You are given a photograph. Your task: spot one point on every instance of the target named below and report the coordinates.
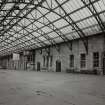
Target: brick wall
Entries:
(95, 44)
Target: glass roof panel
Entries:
(60, 23)
(26, 26)
(100, 6)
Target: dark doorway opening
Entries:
(104, 65)
(38, 66)
(58, 66)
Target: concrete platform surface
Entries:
(44, 88)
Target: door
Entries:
(58, 66)
(25, 65)
(38, 66)
(104, 66)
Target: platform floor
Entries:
(45, 88)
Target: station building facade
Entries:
(61, 58)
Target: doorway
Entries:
(38, 66)
(58, 66)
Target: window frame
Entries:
(83, 60)
(95, 59)
(71, 60)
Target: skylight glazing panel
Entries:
(36, 34)
(28, 43)
(60, 23)
(47, 42)
(23, 39)
(84, 13)
(75, 35)
(31, 28)
(92, 30)
(22, 31)
(17, 27)
(72, 5)
(53, 35)
(88, 30)
(8, 6)
(79, 15)
(42, 38)
(58, 39)
(38, 14)
(99, 6)
(42, 11)
(46, 29)
(52, 16)
(51, 3)
(34, 46)
(7, 41)
(88, 22)
(103, 17)
(28, 37)
(12, 38)
(38, 24)
(32, 40)
(69, 36)
(67, 29)
(38, 44)
(42, 21)
(33, 15)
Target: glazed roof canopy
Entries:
(31, 24)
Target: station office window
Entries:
(83, 60)
(71, 60)
(95, 59)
